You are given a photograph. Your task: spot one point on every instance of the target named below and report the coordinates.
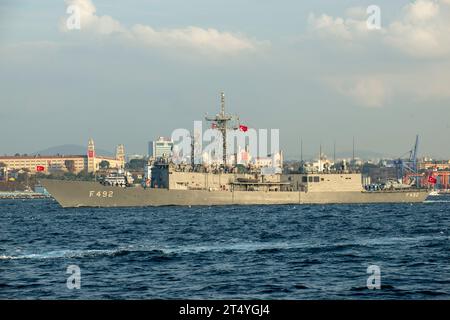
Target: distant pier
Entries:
(22, 195)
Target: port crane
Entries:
(408, 167)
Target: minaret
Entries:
(91, 156)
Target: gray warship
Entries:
(171, 184)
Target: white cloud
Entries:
(202, 40)
(366, 91)
(359, 13)
(340, 28)
(421, 10)
(90, 22)
(378, 89)
(192, 37)
(369, 92)
(421, 31)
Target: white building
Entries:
(274, 161)
(160, 148)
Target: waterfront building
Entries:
(160, 148)
(64, 163)
(428, 164)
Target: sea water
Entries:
(225, 252)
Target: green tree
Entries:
(136, 164)
(104, 164)
(24, 175)
(70, 165)
(85, 176)
(3, 174)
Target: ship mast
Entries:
(221, 121)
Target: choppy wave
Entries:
(253, 252)
(63, 254)
(3, 257)
(262, 247)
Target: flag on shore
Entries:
(40, 168)
(432, 180)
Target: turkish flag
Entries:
(40, 168)
(432, 180)
(243, 128)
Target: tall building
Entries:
(160, 148)
(91, 156)
(93, 160)
(120, 153)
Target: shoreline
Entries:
(22, 195)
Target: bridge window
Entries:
(316, 179)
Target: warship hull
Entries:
(93, 194)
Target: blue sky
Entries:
(139, 69)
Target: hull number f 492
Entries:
(101, 194)
(412, 194)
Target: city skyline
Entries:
(327, 152)
(313, 70)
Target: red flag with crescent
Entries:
(243, 128)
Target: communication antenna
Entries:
(301, 156)
(320, 156)
(334, 151)
(192, 152)
(301, 150)
(353, 152)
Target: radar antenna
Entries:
(220, 122)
